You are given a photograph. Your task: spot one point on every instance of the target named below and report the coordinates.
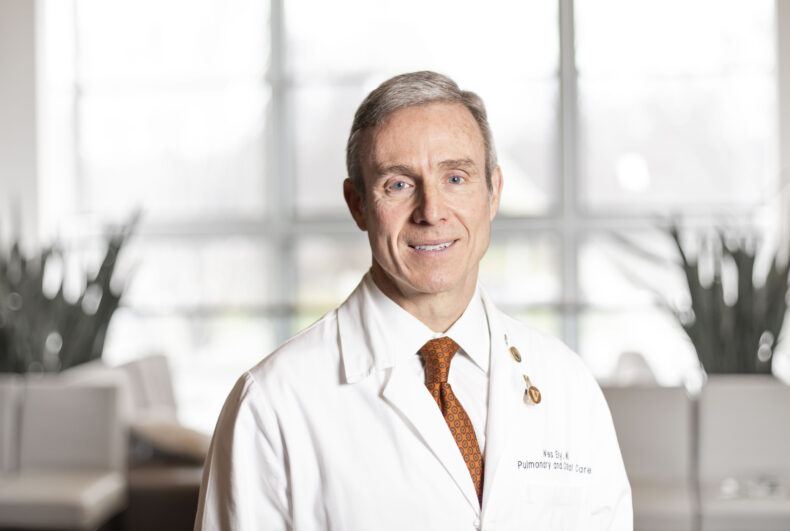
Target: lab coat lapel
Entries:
(509, 416)
(419, 411)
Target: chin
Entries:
(435, 284)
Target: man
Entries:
(417, 405)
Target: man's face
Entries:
(428, 210)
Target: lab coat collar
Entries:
(375, 332)
(471, 332)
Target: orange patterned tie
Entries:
(437, 355)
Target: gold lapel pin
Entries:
(516, 354)
(513, 351)
(532, 393)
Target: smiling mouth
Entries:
(433, 247)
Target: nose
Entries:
(431, 207)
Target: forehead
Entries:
(429, 133)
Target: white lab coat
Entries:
(328, 434)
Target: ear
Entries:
(496, 192)
(354, 202)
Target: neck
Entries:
(437, 311)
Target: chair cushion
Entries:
(167, 441)
(165, 479)
(61, 500)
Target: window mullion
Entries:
(80, 181)
(569, 176)
(280, 185)
(783, 76)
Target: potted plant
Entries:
(42, 332)
(738, 337)
(730, 336)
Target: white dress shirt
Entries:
(469, 368)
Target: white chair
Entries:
(744, 440)
(655, 430)
(151, 386)
(71, 458)
(167, 464)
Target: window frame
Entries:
(282, 226)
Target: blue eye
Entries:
(455, 179)
(398, 186)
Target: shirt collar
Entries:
(409, 334)
(471, 332)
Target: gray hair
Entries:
(407, 90)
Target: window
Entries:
(226, 123)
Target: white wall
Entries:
(18, 159)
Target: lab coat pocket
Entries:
(555, 507)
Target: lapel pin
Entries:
(516, 354)
(513, 351)
(531, 393)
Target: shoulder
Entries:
(279, 380)
(312, 354)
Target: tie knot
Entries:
(437, 354)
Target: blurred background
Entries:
(224, 123)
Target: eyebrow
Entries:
(405, 169)
(395, 169)
(457, 163)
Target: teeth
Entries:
(437, 247)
